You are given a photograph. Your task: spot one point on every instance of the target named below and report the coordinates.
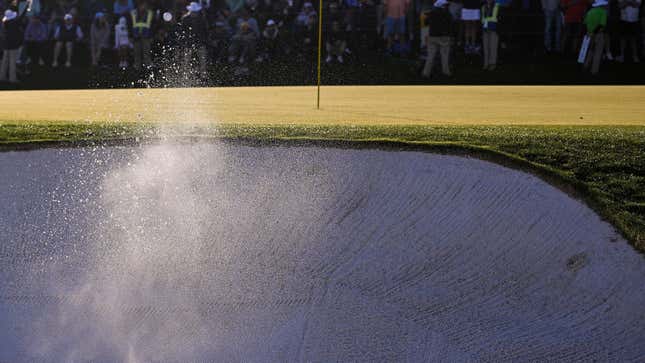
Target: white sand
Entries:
(231, 253)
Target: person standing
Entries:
(336, 42)
(122, 41)
(552, 25)
(142, 18)
(271, 40)
(35, 38)
(455, 7)
(243, 45)
(629, 18)
(612, 30)
(574, 11)
(14, 35)
(440, 28)
(246, 17)
(66, 34)
(395, 21)
(99, 37)
(305, 26)
(490, 38)
(595, 22)
(642, 14)
(471, 16)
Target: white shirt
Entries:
(121, 38)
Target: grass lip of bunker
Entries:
(602, 165)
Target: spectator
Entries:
(14, 35)
(195, 29)
(26, 8)
(440, 24)
(336, 43)
(285, 14)
(35, 40)
(122, 7)
(629, 11)
(574, 10)
(344, 20)
(306, 25)
(244, 44)
(455, 7)
(68, 33)
(292, 26)
(471, 16)
(220, 38)
(642, 14)
(552, 25)
(141, 34)
(612, 30)
(490, 39)
(352, 12)
(246, 17)
(595, 21)
(271, 40)
(423, 27)
(395, 21)
(122, 41)
(305, 13)
(99, 37)
(333, 14)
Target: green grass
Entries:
(604, 166)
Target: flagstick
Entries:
(319, 50)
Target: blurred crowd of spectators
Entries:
(140, 34)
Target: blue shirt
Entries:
(36, 32)
(121, 9)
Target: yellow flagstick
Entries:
(320, 8)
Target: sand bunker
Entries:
(237, 253)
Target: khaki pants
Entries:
(96, 50)
(441, 44)
(9, 58)
(594, 53)
(491, 44)
(142, 53)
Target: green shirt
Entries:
(596, 18)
